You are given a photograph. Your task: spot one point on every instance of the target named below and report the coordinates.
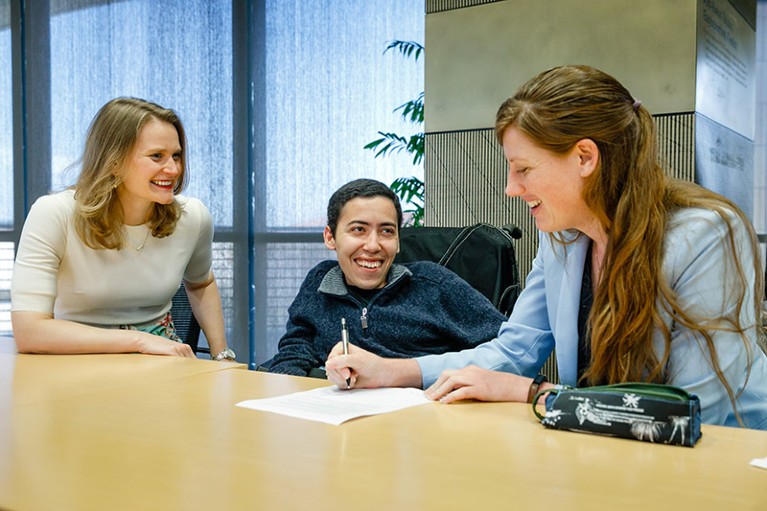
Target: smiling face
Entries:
(551, 184)
(366, 241)
(150, 171)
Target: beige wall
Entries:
(478, 56)
(760, 132)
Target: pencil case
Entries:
(641, 411)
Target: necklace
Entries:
(140, 247)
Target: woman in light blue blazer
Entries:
(637, 277)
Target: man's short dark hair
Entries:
(365, 188)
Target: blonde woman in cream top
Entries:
(98, 264)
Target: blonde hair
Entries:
(111, 137)
(633, 200)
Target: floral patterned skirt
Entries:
(163, 327)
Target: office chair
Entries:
(482, 254)
(183, 319)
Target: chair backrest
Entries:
(481, 254)
(183, 319)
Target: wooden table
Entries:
(173, 439)
(28, 379)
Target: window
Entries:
(6, 167)
(330, 90)
(177, 53)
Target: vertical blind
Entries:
(6, 119)
(330, 90)
(175, 53)
(6, 166)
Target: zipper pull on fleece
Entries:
(364, 319)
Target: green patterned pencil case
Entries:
(641, 411)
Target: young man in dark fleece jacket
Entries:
(402, 310)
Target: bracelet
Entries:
(535, 385)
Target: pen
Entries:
(345, 343)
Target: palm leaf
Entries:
(410, 190)
(390, 143)
(406, 48)
(412, 110)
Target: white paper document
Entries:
(334, 406)
(759, 462)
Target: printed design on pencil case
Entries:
(594, 411)
(588, 412)
(649, 431)
(631, 401)
(680, 424)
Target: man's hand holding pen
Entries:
(341, 358)
(364, 370)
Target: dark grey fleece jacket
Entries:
(424, 309)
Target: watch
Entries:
(535, 385)
(225, 354)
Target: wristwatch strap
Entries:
(226, 353)
(535, 385)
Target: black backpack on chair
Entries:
(482, 254)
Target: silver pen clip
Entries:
(345, 344)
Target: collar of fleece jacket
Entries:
(333, 282)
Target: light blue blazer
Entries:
(699, 267)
